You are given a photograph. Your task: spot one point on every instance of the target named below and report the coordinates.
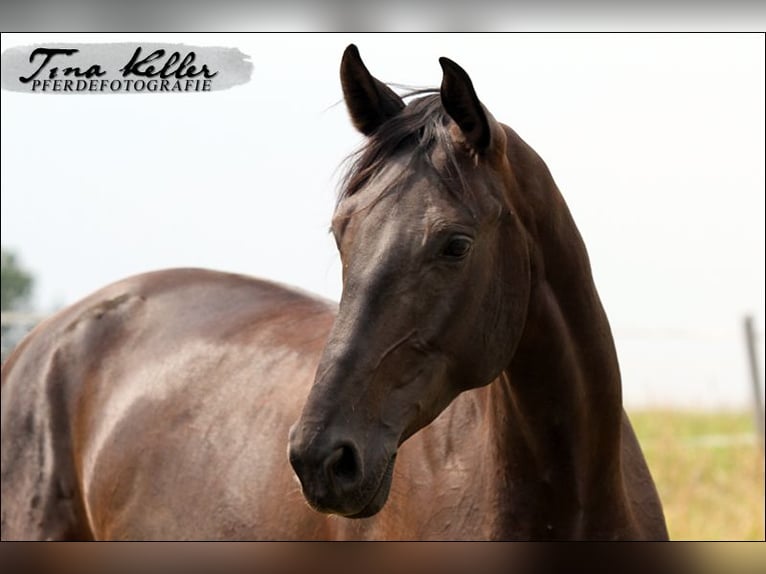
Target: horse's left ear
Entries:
(463, 105)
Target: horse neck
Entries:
(561, 396)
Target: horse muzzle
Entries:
(334, 476)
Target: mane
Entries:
(415, 132)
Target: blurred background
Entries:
(655, 140)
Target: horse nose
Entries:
(327, 472)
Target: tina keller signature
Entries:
(155, 65)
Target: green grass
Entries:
(710, 490)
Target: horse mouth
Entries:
(379, 493)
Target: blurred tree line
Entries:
(16, 288)
(16, 282)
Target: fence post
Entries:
(755, 377)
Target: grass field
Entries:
(709, 470)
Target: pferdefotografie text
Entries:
(157, 71)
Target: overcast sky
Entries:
(656, 142)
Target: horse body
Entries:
(466, 387)
(183, 436)
(171, 393)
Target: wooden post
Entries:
(755, 377)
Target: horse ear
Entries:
(463, 105)
(369, 101)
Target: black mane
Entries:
(417, 130)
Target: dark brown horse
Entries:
(467, 386)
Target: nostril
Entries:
(342, 465)
(346, 467)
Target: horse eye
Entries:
(457, 247)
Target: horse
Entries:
(466, 386)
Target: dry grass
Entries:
(709, 471)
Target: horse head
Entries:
(436, 282)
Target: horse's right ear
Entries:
(369, 101)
